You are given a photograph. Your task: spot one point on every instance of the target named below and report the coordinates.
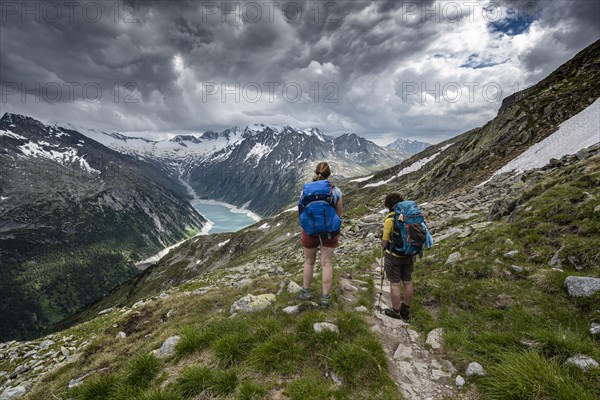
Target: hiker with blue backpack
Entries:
(320, 211)
(405, 235)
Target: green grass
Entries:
(310, 386)
(195, 380)
(530, 376)
(282, 353)
(361, 362)
(232, 348)
(142, 369)
(251, 390)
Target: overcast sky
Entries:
(384, 69)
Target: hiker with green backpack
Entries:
(404, 236)
(320, 211)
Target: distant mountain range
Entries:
(258, 166)
(408, 146)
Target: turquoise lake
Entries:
(224, 219)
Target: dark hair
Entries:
(322, 171)
(392, 199)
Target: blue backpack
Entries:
(316, 210)
(410, 224)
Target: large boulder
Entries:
(252, 303)
(168, 347)
(582, 286)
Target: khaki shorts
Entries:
(398, 268)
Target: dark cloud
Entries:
(366, 48)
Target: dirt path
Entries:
(418, 372)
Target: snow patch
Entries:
(366, 178)
(264, 226)
(67, 157)
(258, 151)
(576, 133)
(12, 135)
(224, 243)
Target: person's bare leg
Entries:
(395, 295)
(310, 256)
(327, 265)
(408, 293)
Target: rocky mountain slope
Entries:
(497, 307)
(74, 216)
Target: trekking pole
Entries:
(378, 307)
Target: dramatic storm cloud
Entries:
(422, 69)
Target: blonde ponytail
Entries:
(322, 172)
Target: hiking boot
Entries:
(325, 301)
(404, 311)
(305, 294)
(390, 312)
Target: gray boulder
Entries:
(582, 286)
(13, 393)
(168, 347)
(325, 326)
(453, 258)
(293, 288)
(585, 363)
(459, 381)
(595, 329)
(475, 369)
(252, 303)
(511, 254)
(434, 338)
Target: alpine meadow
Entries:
(318, 200)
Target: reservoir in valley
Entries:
(224, 217)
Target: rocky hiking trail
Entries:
(419, 373)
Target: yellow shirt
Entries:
(388, 228)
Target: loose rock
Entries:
(585, 363)
(293, 288)
(325, 326)
(475, 369)
(434, 338)
(13, 393)
(595, 329)
(292, 309)
(582, 286)
(459, 381)
(511, 254)
(453, 258)
(168, 347)
(252, 303)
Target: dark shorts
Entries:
(398, 268)
(312, 242)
